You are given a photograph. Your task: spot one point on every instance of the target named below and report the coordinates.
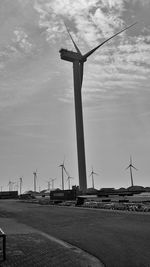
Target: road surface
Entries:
(118, 239)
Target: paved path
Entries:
(29, 247)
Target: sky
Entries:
(37, 116)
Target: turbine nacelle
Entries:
(71, 55)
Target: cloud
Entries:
(21, 40)
(25, 68)
(91, 19)
(34, 26)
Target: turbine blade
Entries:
(63, 161)
(94, 49)
(66, 171)
(134, 168)
(127, 167)
(77, 49)
(130, 160)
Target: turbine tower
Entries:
(78, 61)
(131, 166)
(35, 179)
(92, 174)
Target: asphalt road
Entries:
(118, 239)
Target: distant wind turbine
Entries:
(69, 180)
(16, 186)
(62, 173)
(92, 175)
(53, 182)
(78, 61)
(131, 166)
(48, 185)
(10, 185)
(35, 179)
(21, 182)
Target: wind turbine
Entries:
(78, 61)
(69, 183)
(62, 172)
(21, 182)
(53, 182)
(48, 185)
(35, 179)
(92, 174)
(131, 166)
(68, 179)
(10, 184)
(16, 186)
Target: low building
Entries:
(8, 194)
(58, 196)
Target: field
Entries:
(118, 239)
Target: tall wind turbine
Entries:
(62, 173)
(131, 166)
(92, 174)
(78, 61)
(35, 179)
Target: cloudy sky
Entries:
(37, 120)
